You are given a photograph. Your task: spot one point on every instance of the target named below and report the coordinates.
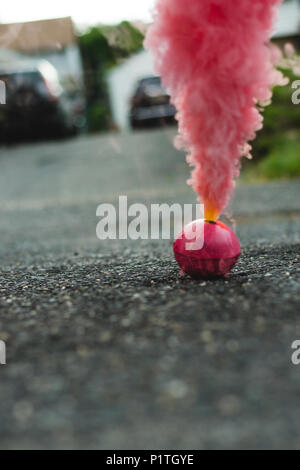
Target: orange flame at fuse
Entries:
(210, 212)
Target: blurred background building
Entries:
(54, 40)
(109, 60)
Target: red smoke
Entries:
(218, 65)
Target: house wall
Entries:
(289, 20)
(7, 56)
(67, 62)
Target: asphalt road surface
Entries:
(107, 346)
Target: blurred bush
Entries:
(276, 149)
(97, 117)
(283, 161)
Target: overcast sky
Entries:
(83, 12)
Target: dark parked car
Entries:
(151, 104)
(36, 104)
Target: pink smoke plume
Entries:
(217, 63)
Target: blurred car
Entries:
(151, 104)
(36, 103)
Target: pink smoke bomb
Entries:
(215, 257)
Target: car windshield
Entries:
(17, 79)
(152, 87)
(151, 81)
